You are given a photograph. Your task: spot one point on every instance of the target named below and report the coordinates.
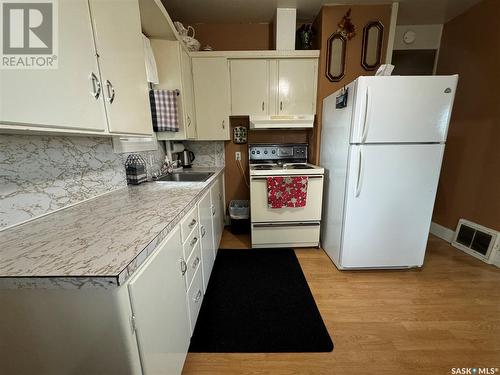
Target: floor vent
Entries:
(476, 240)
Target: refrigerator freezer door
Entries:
(389, 201)
(399, 109)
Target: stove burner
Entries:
(262, 167)
(299, 166)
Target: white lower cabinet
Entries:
(207, 237)
(160, 314)
(217, 196)
(142, 327)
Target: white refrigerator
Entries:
(382, 145)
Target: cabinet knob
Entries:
(203, 231)
(262, 106)
(193, 241)
(281, 106)
(192, 223)
(183, 267)
(223, 124)
(189, 121)
(198, 296)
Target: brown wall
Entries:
(235, 184)
(326, 23)
(235, 36)
(470, 177)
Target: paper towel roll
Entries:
(177, 147)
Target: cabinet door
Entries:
(58, 99)
(249, 87)
(216, 193)
(188, 95)
(207, 237)
(297, 86)
(158, 299)
(211, 97)
(117, 27)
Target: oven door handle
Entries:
(265, 177)
(277, 225)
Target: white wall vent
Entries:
(476, 240)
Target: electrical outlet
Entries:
(237, 155)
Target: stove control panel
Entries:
(262, 153)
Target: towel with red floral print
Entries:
(287, 191)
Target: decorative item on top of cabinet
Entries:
(304, 37)
(335, 57)
(373, 34)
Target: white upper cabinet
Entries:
(188, 95)
(58, 99)
(117, 27)
(249, 87)
(211, 97)
(285, 86)
(174, 73)
(297, 86)
(99, 86)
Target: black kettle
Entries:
(186, 157)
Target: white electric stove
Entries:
(284, 227)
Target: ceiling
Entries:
(255, 11)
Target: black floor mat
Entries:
(258, 301)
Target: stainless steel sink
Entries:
(186, 177)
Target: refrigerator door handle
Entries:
(359, 180)
(366, 123)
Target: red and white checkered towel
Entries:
(164, 110)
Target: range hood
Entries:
(282, 122)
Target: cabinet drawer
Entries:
(191, 242)
(195, 297)
(300, 234)
(188, 223)
(193, 264)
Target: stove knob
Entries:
(258, 152)
(274, 151)
(265, 152)
(253, 152)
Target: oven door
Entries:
(261, 213)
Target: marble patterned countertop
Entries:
(99, 242)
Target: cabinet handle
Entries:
(111, 91)
(192, 223)
(198, 296)
(183, 267)
(223, 124)
(213, 210)
(189, 121)
(196, 261)
(262, 106)
(193, 241)
(96, 86)
(203, 231)
(281, 106)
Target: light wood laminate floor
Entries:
(424, 321)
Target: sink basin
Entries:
(186, 177)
